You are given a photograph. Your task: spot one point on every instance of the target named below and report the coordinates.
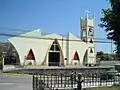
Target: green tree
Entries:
(111, 23)
(103, 56)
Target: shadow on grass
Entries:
(105, 88)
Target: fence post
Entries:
(114, 77)
(79, 82)
(36, 78)
(61, 79)
(72, 79)
(41, 85)
(100, 79)
(107, 78)
(33, 82)
(65, 80)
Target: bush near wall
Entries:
(107, 76)
(30, 63)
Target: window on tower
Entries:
(91, 31)
(84, 33)
(91, 41)
(91, 50)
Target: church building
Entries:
(36, 48)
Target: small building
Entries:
(36, 48)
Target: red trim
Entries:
(76, 57)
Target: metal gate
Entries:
(52, 82)
(71, 81)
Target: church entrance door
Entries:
(54, 55)
(54, 58)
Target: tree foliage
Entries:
(111, 22)
(103, 56)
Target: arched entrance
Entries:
(12, 56)
(85, 58)
(55, 56)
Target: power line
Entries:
(27, 30)
(13, 29)
(23, 36)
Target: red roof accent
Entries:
(30, 55)
(76, 57)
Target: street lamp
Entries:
(3, 57)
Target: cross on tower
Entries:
(87, 12)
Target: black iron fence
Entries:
(74, 80)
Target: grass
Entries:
(21, 75)
(14, 74)
(105, 88)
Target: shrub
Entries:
(30, 63)
(107, 76)
(117, 85)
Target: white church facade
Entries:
(55, 50)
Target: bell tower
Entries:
(87, 35)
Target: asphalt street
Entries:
(15, 83)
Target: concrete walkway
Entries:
(15, 83)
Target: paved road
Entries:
(15, 83)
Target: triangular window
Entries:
(30, 55)
(76, 57)
(54, 46)
(91, 50)
(91, 41)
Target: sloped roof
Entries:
(34, 33)
(38, 34)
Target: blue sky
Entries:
(54, 16)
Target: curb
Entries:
(14, 74)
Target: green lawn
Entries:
(105, 88)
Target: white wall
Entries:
(78, 46)
(39, 46)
